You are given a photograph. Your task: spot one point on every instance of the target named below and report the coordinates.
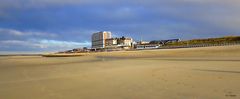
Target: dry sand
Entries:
(194, 73)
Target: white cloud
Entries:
(14, 32)
(62, 44)
(46, 45)
(40, 41)
(14, 43)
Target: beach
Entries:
(187, 73)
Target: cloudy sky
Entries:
(50, 25)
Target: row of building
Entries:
(104, 40)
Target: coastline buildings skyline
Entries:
(103, 41)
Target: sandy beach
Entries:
(187, 73)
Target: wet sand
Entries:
(195, 73)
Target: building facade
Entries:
(111, 43)
(148, 46)
(99, 38)
(164, 41)
(123, 42)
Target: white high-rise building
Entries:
(98, 39)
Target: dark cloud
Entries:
(75, 20)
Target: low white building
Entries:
(148, 46)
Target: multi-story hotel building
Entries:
(98, 39)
